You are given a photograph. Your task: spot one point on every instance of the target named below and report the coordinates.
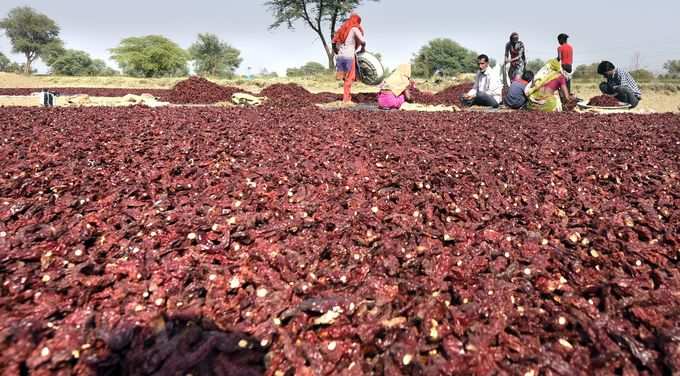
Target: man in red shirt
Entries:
(565, 55)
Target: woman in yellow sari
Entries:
(543, 91)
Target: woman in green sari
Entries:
(543, 91)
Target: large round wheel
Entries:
(371, 71)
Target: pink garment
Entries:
(556, 83)
(388, 101)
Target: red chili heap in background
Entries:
(198, 90)
(288, 95)
(368, 243)
(448, 96)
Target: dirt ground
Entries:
(654, 100)
(314, 84)
(79, 101)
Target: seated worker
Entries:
(487, 90)
(619, 84)
(515, 98)
(394, 91)
(543, 91)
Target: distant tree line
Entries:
(589, 72)
(36, 36)
(310, 69)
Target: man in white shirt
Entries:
(488, 89)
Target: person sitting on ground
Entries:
(619, 84)
(565, 55)
(487, 90)
(345, 42)
(515, 55)
(515, 98)
(543, 91)
(394, 91)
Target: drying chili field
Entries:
(301, 241)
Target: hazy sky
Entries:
(614, 30)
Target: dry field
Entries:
(317, 84)
(655, 99)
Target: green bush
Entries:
(310, 69)
(264, 73)
(535, 65)
(586, 71)
(4, 63)
(444, 56)
(214, 57)
(642, 75)
(669, 77)
(151, 56)
(79, 63)
(672, 67)
(18, 68)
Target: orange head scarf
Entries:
(342, 33)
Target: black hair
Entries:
(483, 57)
(528, 76)
(562, 38)
(605, 67)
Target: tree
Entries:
(672, 67)
(150, 56)
(79, 63)
(31, 33)
(214, 57)
(265, 73)
(4, 63)
(445, 56)
(99, 68)
(642, 75)
(310, 69)
(319, 15)
(19, 68)
(52, 53)
(535, 65)
(586, 71)
(9, 66)
(71, 63)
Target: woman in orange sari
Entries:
(348, 40)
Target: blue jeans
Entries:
(343, 64)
